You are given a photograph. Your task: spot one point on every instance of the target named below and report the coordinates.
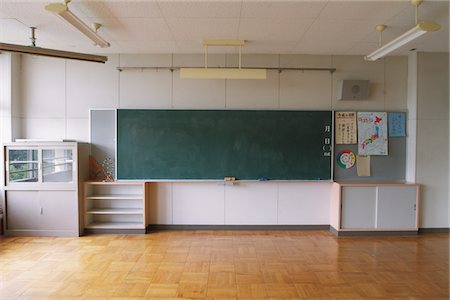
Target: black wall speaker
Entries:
(353, 90)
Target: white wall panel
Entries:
(254, 60)
(91, 85)
(198, 93)
(396, 72)
(251, 203)
(145, 60)
(78, 129)
(433, 97)
(146, 89)
(198, 60)
(198, 203)
(44, 88)
(432, 171)
(305, 90)
(44, 128)
(304, 203)
(161, 209)
(305, 61)
(253, 93)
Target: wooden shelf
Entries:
(116, 225)
(116, 211)
(112, 205)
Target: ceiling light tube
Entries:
(63, 11)
(222, 73)
(418, 30)
(52, 53)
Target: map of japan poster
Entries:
(372, 133)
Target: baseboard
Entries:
(237, 227)
(114, 231)
(434, 230)
(374, 233)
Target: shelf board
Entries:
(115, 225)
(116, 211)
(116, 197)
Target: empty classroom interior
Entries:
(251, 239)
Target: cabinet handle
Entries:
(42, 210)
(414, 207)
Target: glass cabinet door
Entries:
(57, 165)
(23, 165)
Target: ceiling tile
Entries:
(376, 11)
(273, 29)
(23, 9)
(148, 46)
(332, 32)
(200, 9)
(281, 9)
(119, 9)
(198, 29)
(136, 29)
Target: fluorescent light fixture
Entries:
(413, 33)
(63, 11)
(222, 73)
(51, 53)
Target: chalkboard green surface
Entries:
(214, 144)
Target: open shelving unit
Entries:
(115, 206)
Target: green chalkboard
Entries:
(214, 144)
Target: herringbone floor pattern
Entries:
(225, 264)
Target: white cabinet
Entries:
(53, 212)
(42, 188)
(368, 207)
(358, 207)
(397, 207)
(116, 206)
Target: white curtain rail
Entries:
(120, 69)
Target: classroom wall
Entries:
(57, 94)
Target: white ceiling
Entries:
(169, 26)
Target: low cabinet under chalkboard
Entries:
(214, 144)
(371, 207)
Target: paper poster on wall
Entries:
(363, 165)
(372, 133)
(345, 130)
(397, 124)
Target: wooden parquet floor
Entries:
(225, 265)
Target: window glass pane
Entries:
(57, 165)
(23, 165)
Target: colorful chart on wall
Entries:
(372, 133)
(346, 159)
(345, 129)
(397, 124)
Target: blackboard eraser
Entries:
(263, 179)
(229, 179)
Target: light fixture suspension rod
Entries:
(240, 56)
(206, 56)
(33, 36)
(417, 3)
(417, 14)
